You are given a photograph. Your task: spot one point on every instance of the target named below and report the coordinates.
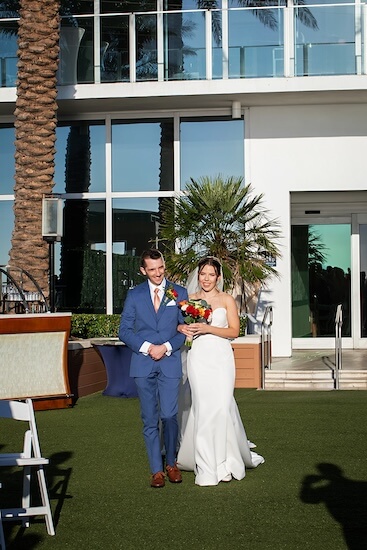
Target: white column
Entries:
(225, 38)
(289, 57)
(132, 47)
(160, 41)
(109, 278)
(208, 45)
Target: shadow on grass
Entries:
(345, 500)
(57, 481)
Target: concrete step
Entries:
(314, 379)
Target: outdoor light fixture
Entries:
(52, 218)
(52, 228)
(236, 109)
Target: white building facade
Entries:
(153, 93)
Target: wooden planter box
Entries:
(247, 354)
(87, 373)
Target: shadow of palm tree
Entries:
(345, 500)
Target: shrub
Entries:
(243, 325)
(91, 325)
(97, 325)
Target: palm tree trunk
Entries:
(35, 125)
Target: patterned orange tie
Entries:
(157, 299)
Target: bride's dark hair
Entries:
(210, 260)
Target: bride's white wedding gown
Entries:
(214, 444)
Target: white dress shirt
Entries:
(146, 345)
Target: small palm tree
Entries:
(220, 217)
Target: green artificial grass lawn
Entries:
(101, 497)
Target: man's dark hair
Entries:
(152, 254)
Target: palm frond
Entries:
(220, 217)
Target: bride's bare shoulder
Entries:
(193, 296)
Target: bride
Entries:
(214, 444)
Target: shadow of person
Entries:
(345, 500)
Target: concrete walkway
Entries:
(321, 360)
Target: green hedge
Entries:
(96, 325)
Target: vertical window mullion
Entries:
(132, 47)
(176, 154)
(209, 45)
(288, 39)
(97, 43)
(358, 35)
(160, 41)
(225, 56)
(109, 218)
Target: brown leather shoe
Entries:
(174, 474)
(157, 480)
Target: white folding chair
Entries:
(30, 459)
(2, 539)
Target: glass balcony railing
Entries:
(324, 39)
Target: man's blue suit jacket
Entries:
(140, 323)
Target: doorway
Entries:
(321, 278)
(328, 268)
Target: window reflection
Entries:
(210, 147)
(142, 155)
(330, 47)
(80, 160)
(82, 284)
(8, 52)
(6, 228)
(256, 46)
(135, 228)
(7, 162)
(115, 64)
(321, 279)
(146, 47)
(185, 38)
(109, 6)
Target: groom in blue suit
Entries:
(149, 327)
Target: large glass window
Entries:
(256, 46)
(76, 7)
(127, 6)
(82, 283)
(6, 228)
(185, 39)
(8, 52)
(210, 147)
(142, 155)
(328, 48)
(80, 160)
(321, 279)
(135, 228)
(115, 65)
(363, 278)
(146, 47)
(7, 162)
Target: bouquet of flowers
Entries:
(195, 311)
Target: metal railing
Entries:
(13, 295)
(338, 343)
(266, 343)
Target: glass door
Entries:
(360, 340)
(321, 279)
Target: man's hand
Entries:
(157, 352)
